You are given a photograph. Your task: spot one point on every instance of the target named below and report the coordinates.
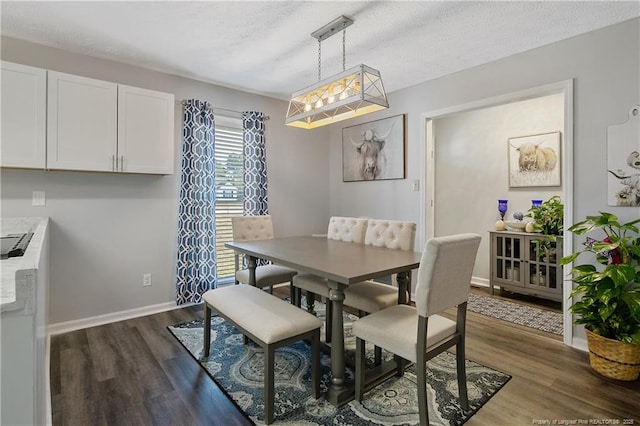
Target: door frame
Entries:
(427, 172)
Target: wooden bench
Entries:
(271, 323)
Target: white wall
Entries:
(471, 169)
(107, 229)
(606, 67)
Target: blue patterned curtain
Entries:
(196, 266)
(255, 164)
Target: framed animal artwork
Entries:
(534, 160)
(374, 150)
(623, 161)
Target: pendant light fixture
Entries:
(351, 93)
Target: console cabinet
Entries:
(526, 263)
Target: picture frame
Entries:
(374, 150)
(535, 160)
(623, 161)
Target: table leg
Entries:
(337, 388)
(404, 284)
(252, 270)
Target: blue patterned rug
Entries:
(238, 370)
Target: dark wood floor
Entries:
(136, 373)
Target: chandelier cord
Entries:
(319, 60)
(344, 48)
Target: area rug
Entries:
(238, 370)
(529, 316)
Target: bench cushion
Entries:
(255, 311)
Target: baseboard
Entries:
(580, 344)
(67, 326)
(479, 282)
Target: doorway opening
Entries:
(466, 166)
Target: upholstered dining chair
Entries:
(367, 296)
(419, 334)
(249, 228)
(347, 229)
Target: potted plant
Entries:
(548, 216)
(548, 220)
(610, 304)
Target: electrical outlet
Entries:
(146, 280)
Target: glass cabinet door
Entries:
(542, 260)
(508, 258)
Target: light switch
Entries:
(37, 198)
(416, 185)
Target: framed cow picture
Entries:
(374, 150)
(534, 160)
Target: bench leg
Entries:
(360, 366)
(269, 388)
(207, 329)
(315, 364)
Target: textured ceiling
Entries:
(265, 47)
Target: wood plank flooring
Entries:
(136, 373)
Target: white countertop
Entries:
(10, 298)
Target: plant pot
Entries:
(613, 358)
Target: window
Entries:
(229, 190)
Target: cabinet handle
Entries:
(122, 163)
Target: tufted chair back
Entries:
(347, 229)
(249, 228)
(393, 234)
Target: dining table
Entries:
(342, 264)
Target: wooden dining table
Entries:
(342, 264)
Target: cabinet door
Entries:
(544, 275)
(507, 258)
(145, 131)
(24, 94)
(82, 123)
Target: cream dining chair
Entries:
(250, 228)
(347, 229)
(419, 334)
(367, 296)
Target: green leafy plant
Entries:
(610, 302)
(548, 217)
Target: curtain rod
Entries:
(184, 102)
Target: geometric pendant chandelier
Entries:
(351, 93)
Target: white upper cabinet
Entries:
(95, 125)
(24, 94)
(145, 131)
(82, 123)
